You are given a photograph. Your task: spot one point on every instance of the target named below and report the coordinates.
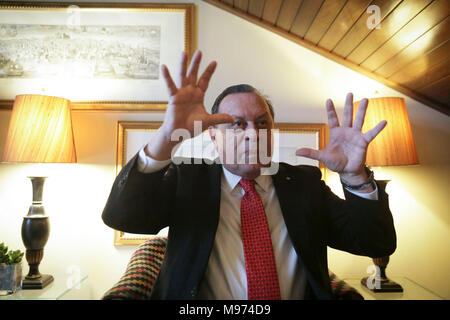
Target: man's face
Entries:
(244, 146)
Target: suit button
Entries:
(193, 292)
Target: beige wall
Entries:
(298, 83)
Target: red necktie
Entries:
(262, 277)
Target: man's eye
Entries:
(262, 122)
(238, 124)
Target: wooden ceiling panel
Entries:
(411, 75)
(359, 30)
(409, 51)
(351, 12)
(417, 27)
(439, 90)
(427, 42)
(323, 20)
(271, 10)
(288, 13)
(256, 8)
(241, 4)
(305, 17)
(389, 26)
(433, 73)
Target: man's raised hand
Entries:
(186, 101)
(347, 147)
(185, 106)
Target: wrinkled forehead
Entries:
(247, 105)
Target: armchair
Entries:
(143, 268)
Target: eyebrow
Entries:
(265, 114)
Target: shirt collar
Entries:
(232, 180)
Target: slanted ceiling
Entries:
(409, 51)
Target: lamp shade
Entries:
(394, 145)
(40, 130)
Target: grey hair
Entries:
(240, 88)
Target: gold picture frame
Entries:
(101, 56)
(133, 135)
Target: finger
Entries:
(359, 119)
(331, 114)
(348, 111)
(193, 68)
(203, 82)
(309, 153)
(183, 67)
(171, 87)
(371, 134)
(218, 118)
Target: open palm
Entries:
(186, 101)
(347, 147)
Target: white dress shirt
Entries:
(225, 276)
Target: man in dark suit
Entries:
(209, 207)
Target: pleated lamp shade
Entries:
(394, 146)
(40, 130)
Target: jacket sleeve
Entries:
(357, 225)
(140, 202)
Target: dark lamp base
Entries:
(384, 285)
(39, 283)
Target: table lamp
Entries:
(394, 146)
(40, 131)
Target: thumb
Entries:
(308, 153)
(219, 118)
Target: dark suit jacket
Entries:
(186, 198)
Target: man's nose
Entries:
(251, 131)
(251, 125)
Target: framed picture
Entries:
(101, 56)
(132, 136)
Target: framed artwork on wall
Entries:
(101, 56)
(133, 135)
